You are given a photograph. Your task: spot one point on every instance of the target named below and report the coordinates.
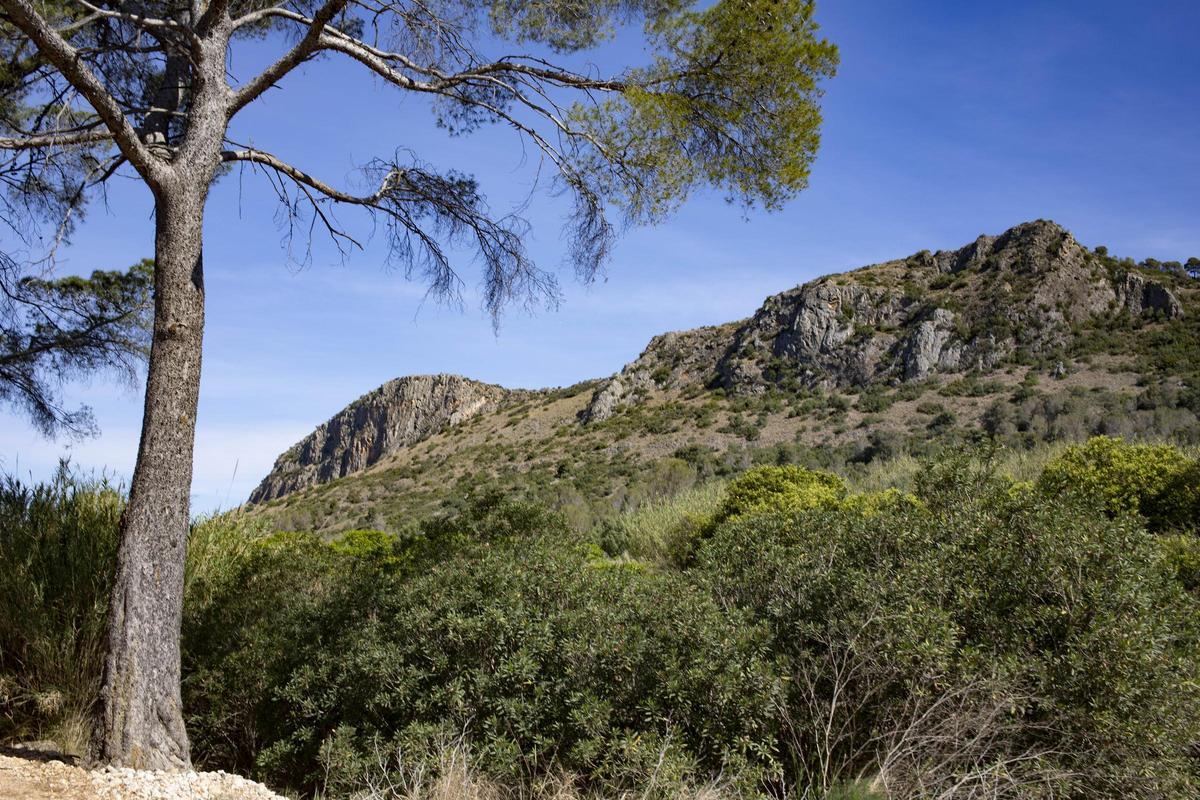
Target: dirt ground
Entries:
(33, 775)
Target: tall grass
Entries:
(57, 550)
(449, 772)
(216, 545)
(58, 543)
(901, 472)
(654, 531)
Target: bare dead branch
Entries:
(334, 38)
(138, 20)
(302, 177)
(299, 53)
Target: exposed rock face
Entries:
(671, 359)
(927, 350)
(813, 333)
(1139, 295)
(400, 413)
(904, 320)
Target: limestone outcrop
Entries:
(970, 309)
(399, 413)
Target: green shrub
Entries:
(874, 402)
(837, 403)
(750, 430)
(248, 628)
(1183, 558)
(538, 655)
(1157, 481)
(252, 629)
(873, 504)
(1177, 506)
(1054, 628)
(779, 488)
(942, 421)
(911, 390)
(757, 490)
(217, 546)
(930, 407)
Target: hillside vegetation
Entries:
(983, 623)
(1023, 339)
(929, 529)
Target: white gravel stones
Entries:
(114, 783)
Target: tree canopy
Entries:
(52, 330)
(729, 99)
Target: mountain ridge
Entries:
(977, 325)
(809, 326)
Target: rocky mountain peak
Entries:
(950, 311)
(1022, 297)
(399, 413)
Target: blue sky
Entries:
(946, 120)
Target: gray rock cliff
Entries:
(399, 413)
(904, 320)
(672, 359)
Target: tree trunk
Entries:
(140, 716)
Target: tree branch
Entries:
(138, 20)
(333, 38)
(56, 139)
(299, 176)
(66, 59)
(289, 60)
(420, 208)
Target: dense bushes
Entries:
(976, 637)
(541, 653)
(984, 637)
(1157, 481)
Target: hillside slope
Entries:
(1026, 337)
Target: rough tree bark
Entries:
(140, 721)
